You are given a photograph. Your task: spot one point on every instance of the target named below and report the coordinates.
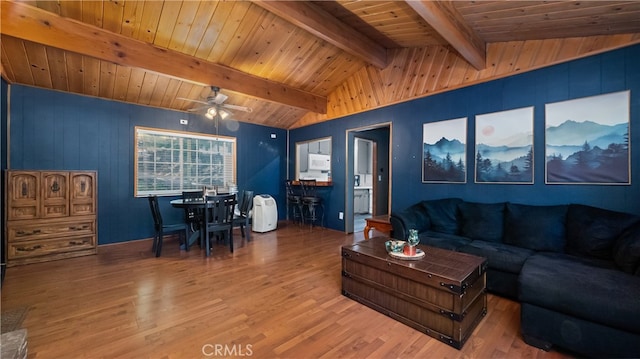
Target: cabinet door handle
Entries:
(28, 249)
(77, 243)
(23, 233)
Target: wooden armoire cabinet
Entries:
(50, 215)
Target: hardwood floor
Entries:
(277, 296)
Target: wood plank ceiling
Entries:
(296, 63)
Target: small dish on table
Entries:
(396, 249)
(400, 255)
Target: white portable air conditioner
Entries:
(265, 214)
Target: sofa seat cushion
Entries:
(443, 214)
(541, 228)
(561, 283)
(483, 221)
(499, 256)
(443, 240)
(592, 231)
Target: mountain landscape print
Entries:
(587, 140)
(504, 147)
(444, 151)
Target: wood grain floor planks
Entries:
(277, 296)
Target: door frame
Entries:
(350, 135)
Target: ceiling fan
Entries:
(215, 105)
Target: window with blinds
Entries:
(169, 162)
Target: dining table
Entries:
(193, 203)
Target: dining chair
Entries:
(160, 228)
(243, 218)
(311, 202)
(193, 216)
(219, 218)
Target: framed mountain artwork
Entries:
(587, 140)
(504, 147)
(444, 148)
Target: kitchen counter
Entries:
(318, 183)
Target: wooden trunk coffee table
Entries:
(442, 294)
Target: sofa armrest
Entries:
(414, 217)
(399, 230)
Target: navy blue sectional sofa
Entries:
(575, 269)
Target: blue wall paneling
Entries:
(604, 73)
(53, 130)
(61, 131)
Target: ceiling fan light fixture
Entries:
(211, 113)
(224, 114)
(215, 106)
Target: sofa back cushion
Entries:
(483, 221)
(626, 250)
(592, 231)
(417, 218)
(443, 214)
(541, 228)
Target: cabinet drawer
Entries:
(18, 231)
(43, 247)
(79, 208)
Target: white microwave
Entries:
(319, 162)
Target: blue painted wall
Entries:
(609, 72)
(53, 130)
(61, 131)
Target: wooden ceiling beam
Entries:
(36, 25)
(447, 21)
(325, 26)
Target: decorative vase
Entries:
(412, 242)
(413, 237)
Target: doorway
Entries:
(369, 171)
(364, 161)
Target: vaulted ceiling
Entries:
(295, 62)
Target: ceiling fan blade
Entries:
(197, 109)
(218, 98)
(239, 108)
(190, 100)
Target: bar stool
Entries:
(311, 202)
(294, 202)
